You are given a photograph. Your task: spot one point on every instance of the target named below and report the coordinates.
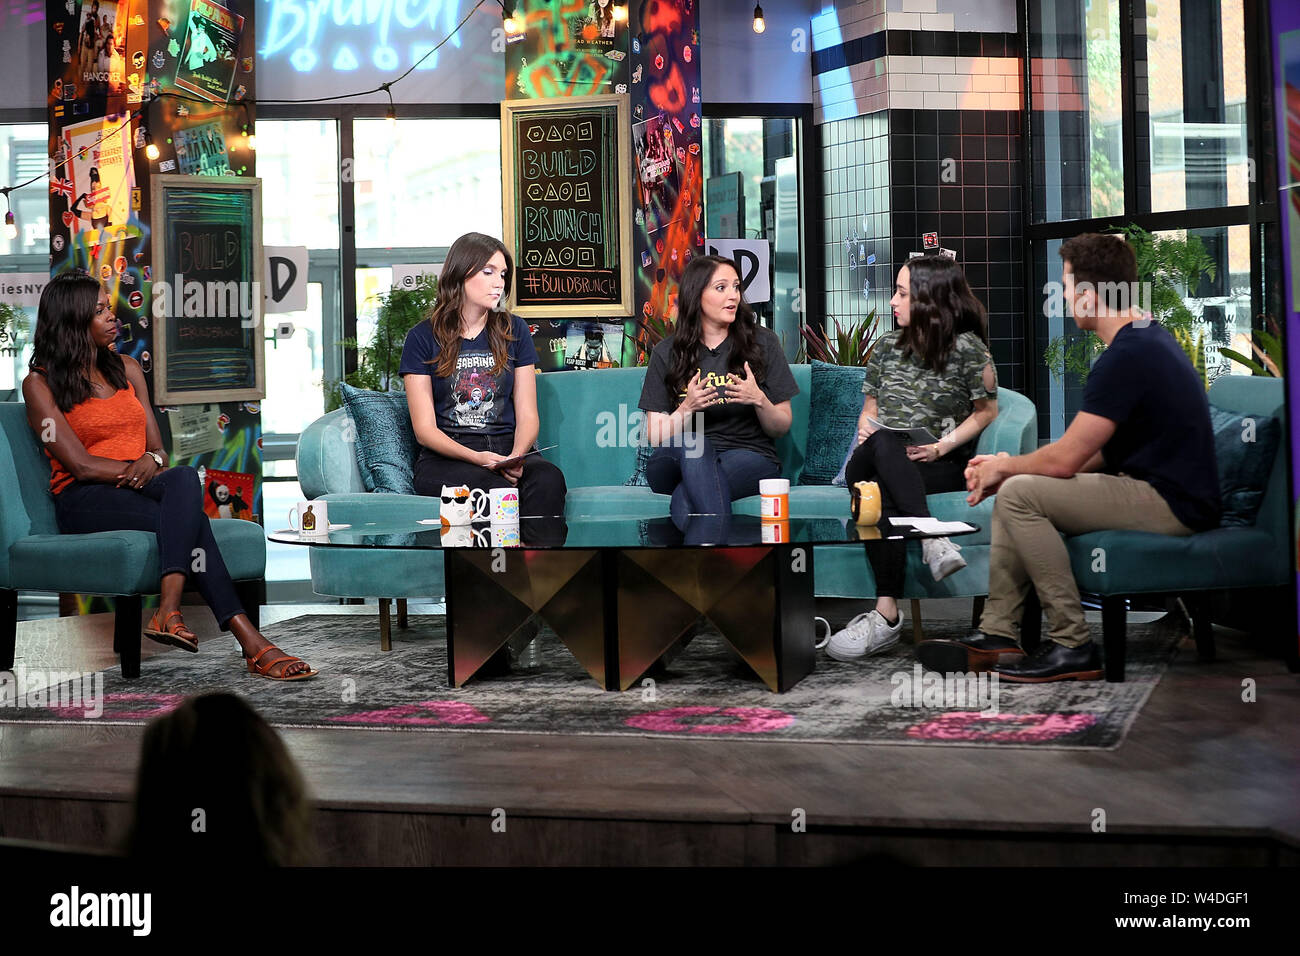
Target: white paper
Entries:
(195, 430)
(932, 525)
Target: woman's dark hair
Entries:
(683, 361)
(216, 783)
(62, 348)
(468, 255)
(942, 308)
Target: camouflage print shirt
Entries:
(909, 394)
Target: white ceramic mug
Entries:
(310, 517)
(504, 507)
(461, 505)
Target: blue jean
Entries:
(707, 482)
(171, 506)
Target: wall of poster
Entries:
(1286, 100)
(569, 48)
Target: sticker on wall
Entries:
(695, 94)
(159, 59)
(930, 240)
(119, 264)
(135, 299)
(106, 272)
(136, 198)
(146, 361)
(137, 60)
(57, 242)
(686, 53)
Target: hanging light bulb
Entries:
(250, 139)
(511, 21)
(620, 12)
(150, 148)
(11, 227)
(391, 116)
(759, 23)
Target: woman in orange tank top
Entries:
(89, 408)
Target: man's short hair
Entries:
(1104, 261)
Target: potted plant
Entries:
(852, 343)
(400, 310)
(1169, 268)
(1267, 347)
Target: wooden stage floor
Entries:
(1202, 779)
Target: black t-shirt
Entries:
(1145, 384)
(472, 400)
(727, 425)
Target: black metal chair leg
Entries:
(1198, 603)
(127, 633)
(1114, 624)
(401, 613)
(8, 627)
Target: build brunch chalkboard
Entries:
(207, 289)
(567, 214)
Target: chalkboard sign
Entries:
(565, 164)
(206, 294)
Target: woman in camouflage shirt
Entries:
(937, 374)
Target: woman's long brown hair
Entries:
(683, 361)
(468, 255)
(942, 308)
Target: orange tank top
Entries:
(112, 427)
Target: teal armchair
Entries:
(118, 564)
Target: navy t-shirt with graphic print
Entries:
(472, 400)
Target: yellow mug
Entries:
(864, 498)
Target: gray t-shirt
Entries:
(726, 425)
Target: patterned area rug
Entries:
(707, 691)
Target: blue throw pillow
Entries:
(832, 420)
(1244, 446)
(386, 445)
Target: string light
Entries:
(620, 13)
(150, 148)
(759, 23)
(391, 114)
(513, 24)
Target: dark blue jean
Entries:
(171, 506)
(705, 481)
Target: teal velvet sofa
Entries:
(118, 564)
(588, 415)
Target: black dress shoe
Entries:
(975, 652)
(1052, 661)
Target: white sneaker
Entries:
(866, 634)
(942, 557)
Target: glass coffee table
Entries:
(620, 591)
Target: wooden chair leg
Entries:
(1114, 625)
(1031, 621)
(128, 632)
(917, 634)
(1198, 603)
(977, 611)
(8, 628)
(401, 613)
(385, 632)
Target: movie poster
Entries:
(101, 47)
(227, 494)
(206, 65)
(599, 31)
(593, 345)
(659, 171)
(99, 176)
(201, 150)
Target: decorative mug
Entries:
(864, 501)
(504, 505)
(465, 536)
(460, 505)
(311, 517)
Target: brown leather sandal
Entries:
(264, 670)
(173, 635)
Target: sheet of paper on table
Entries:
(933, 525)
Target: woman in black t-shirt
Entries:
(470, 387)
(716, 394)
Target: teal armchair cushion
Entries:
(832, 420)
(1244, 446)
(386, 448)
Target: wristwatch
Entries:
(157, 458)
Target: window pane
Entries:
(1077, 110)
(298, 163)
(1197, 101)
(425, 182)
(24, 153)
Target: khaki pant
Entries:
(1030, 514)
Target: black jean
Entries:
(541, 487)
(904, 483)
(171, 506)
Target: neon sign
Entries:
(345, 34)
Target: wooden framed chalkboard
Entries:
(206, 296)
(566, 170)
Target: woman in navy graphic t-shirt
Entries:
(470, 387)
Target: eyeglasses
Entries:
(459, 499)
